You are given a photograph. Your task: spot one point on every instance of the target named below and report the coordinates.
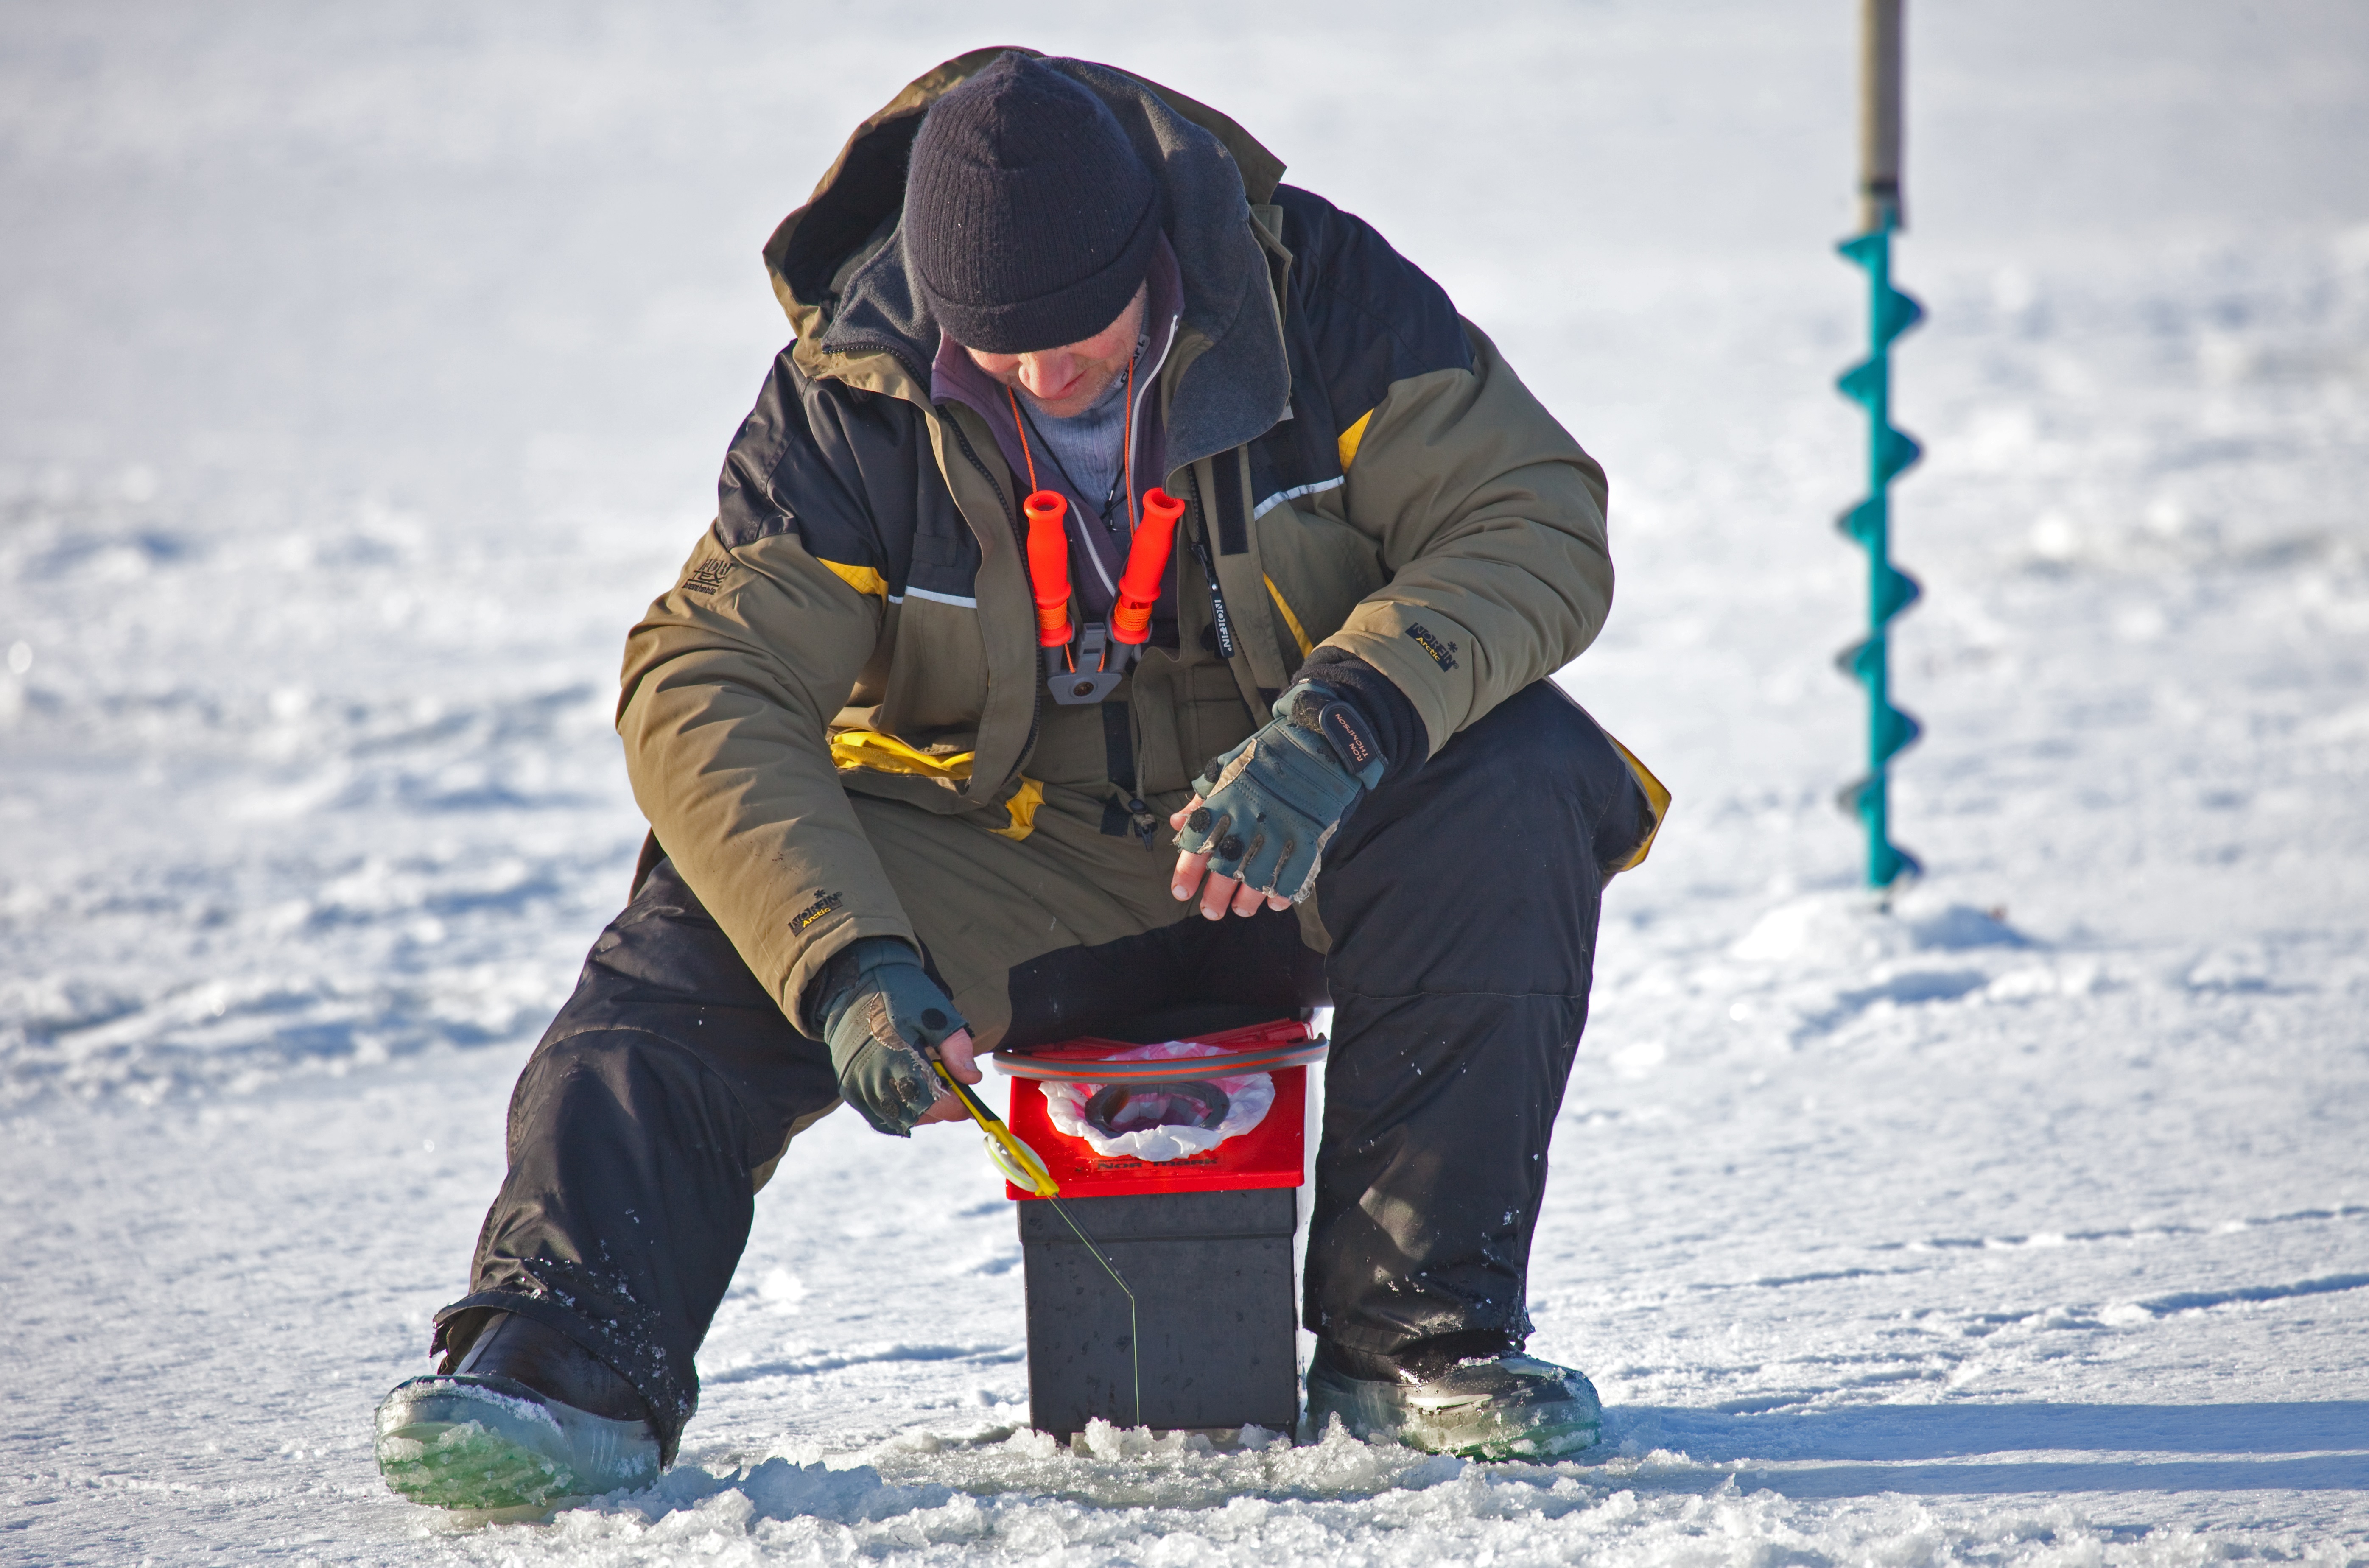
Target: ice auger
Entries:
(1890, 449)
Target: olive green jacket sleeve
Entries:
(1491, 525)
(730, 681)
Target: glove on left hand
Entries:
(1270, 805)
(880, 1027)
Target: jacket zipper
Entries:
(855, 344)
(1019, 541)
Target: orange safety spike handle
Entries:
(1048, 564)
(1146, 565)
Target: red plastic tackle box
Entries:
(1272, 1154)
(1185, 1319)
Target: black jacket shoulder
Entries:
(1359, 317)
(851, 474)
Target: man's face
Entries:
(1068, 380)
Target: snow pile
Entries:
(1811, 963)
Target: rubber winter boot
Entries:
(529, 1417)
(1489, 1406)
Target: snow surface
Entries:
(363, 369)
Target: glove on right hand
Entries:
(880, 1027)
(1270, 805)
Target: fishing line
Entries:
(1134, 1336)
(1025, 1167)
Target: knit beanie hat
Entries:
(1029, 221)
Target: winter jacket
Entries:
(1364, 470)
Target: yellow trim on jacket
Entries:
(863, 579)
(1657, 795)
(1352, 437)
(1298, 631)
(872, 750)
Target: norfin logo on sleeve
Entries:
(1442, 654)
(709, 575)
(815, 911)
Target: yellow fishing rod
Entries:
(1021, 1164)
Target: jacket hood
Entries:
(840, 270)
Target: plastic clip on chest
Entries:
(1093, 667)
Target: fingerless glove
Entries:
(883, 1022)
(1270, 805)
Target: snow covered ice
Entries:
(363, 370)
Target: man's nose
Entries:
(1040, 372)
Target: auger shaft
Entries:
(1879, 116)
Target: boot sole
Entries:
(480, 1443)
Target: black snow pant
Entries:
(1461, 904)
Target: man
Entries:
(888, 834)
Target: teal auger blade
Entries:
(1894, 591)
(1895, 451)
(1864, 523)
(1896, 313)
(1898, 862)
(1871, 250)
(1865, 799)
(1894, 733)
(1866, 383)
(1861, 660)
(1868, 524)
